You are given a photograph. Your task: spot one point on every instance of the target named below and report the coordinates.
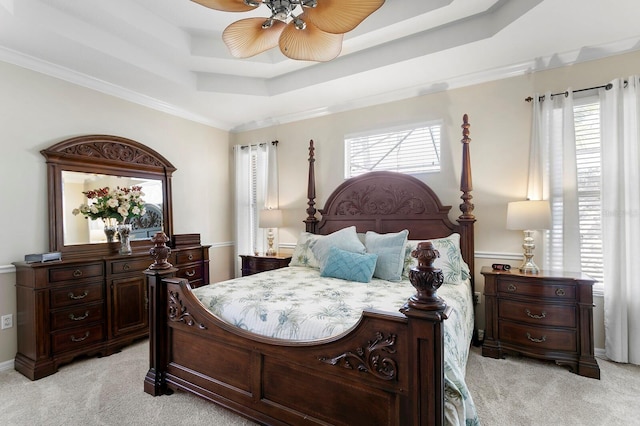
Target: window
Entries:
(587, 128)
(414, 149)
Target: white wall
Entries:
(500, 132)
(37, 111)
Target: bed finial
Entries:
(311, 219)
(426, 279)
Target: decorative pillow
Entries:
(302, 254)
(349, 266)
(345, 239)
(390, 249)
(453, 267)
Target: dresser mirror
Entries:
(97, 161)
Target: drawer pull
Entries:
(82, 296)
(79, 339)
(512, 287)
(560, 292)
(533, 339)
(534, 316)
(77, 273)
(72, 317)
(190, 273)
(126, 267)
(190, 257)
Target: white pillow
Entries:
(302, 254)
(454, 268)
(390, 249)
(344, 239)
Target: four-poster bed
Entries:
(388, 369)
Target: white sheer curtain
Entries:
(256, 187)
(620, 109)
(553, 177)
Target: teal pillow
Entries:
(345, 239)
(390, 251)
(349, 266)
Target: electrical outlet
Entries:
(476, 298)
(7, 321)
(481, 335)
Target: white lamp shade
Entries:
(528, 215)
(270, 218)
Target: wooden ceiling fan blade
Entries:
(310, 44)
(341, 16)
(246, 37)
(226, 5)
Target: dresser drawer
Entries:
(538, 313)
(548, 339)
(190, 272)
(188, 256)
(537, 289)
(76, 295)
(77, 316)
(76, 338)
(70, 273)
(130, 265)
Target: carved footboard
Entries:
(387, 370)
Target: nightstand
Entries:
(254, 264)
(548, 315)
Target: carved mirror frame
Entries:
(109, 155)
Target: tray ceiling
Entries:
(169, 54)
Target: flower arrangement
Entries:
(118, 204)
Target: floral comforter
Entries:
(295, 303)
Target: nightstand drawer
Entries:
(548, 339)
(538, 313)
(537, 289)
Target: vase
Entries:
(110, 232)
(124, 230)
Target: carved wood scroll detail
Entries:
(113, 151)
(178, 312)
(376, 200)
(371, 359)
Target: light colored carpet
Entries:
(512, 391)
(525, 391)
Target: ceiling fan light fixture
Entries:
(324, 23)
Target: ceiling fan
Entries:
(308, 30)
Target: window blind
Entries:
(409, 150)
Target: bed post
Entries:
(155, 382)
(311, 219)
(467, 218)
(426, 312)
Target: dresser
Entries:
(548, 315)
(90, 306)
(254, 264)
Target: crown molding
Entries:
(44, 67)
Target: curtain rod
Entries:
(274, 143)
(566, 93)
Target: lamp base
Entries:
(528, 266)
(270, 237)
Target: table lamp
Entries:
(270, 218)
(528, 216)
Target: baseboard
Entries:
(600, 353)
(7, 365)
